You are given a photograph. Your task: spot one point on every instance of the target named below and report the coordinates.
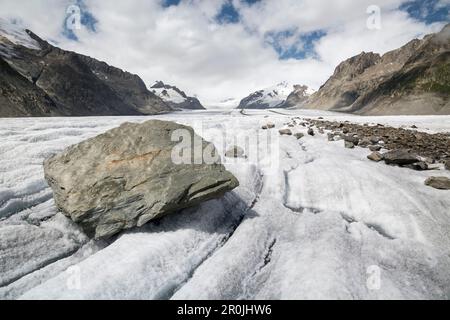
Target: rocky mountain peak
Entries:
(271, 97)
(413, 79)
(356, 65)
(175, 97)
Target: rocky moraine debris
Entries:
(406, 148)
(127, 177)
(407, 143)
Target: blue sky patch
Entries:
(86, 19)
(228, 14)
(289, 45)
(428, 11)
(169, 3)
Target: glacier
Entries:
(325, 223)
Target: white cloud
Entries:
(184, 46)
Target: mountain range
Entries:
(414, 79)
(38, 79)
(271, 97)
(175, 98)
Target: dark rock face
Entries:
(127, 177)
(441, 183)
(183, 101)
(413, 79)
(48, 81)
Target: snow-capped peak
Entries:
(270, 97)
(174, 96)
(168, 93)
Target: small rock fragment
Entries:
(269, 125)
(442, 183)
(235, 152)
(349, 145)
(375, 156)
(285, 132)
(419, 166)
(374, 148)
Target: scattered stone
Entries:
(375, 156)
(311, 131)
(349, 145)
(345, 130)
(364, 143)
(269, 125)
(375, 148)
(127, 177)
(413, 126)
(235, 152)
(435, 148)
(321, 131)
(285, 132)
(400, 157)
(442, 183)
(374, 139)
(352, 139)
(447, 164)
(299, 135)
(330, 136)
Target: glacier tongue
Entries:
(326, 223)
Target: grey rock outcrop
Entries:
(126, 177)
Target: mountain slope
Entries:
(175, 97)
(272, 97)
(413, 79)
(298, 97)
(54, 82)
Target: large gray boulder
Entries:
(127, 177)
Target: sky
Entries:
(226, 49)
